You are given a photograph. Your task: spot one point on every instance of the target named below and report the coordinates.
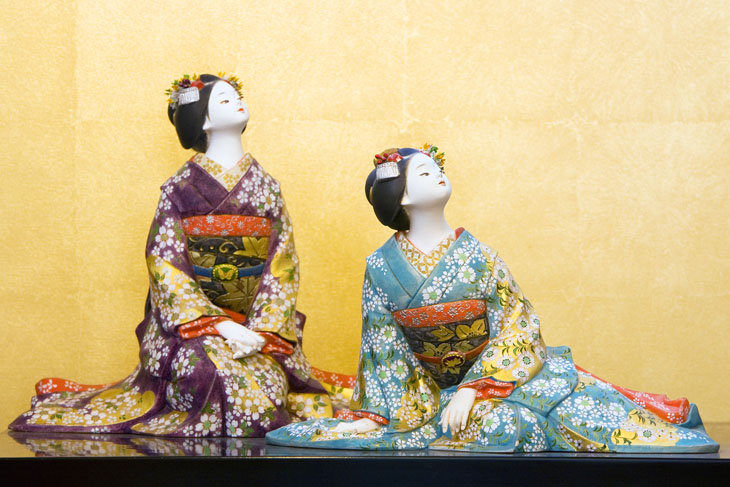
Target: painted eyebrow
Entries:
(221, 93)
(421, 165)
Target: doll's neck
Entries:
(225, 147)
(428, 227)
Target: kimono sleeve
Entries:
(175, 295)
(391, 387)
(274, 308)
(516, 352)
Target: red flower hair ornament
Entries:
(187, 89)
(184, 90)
(386, 163)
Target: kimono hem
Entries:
(419, 334)
(217, 249)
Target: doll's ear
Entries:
(206, 124)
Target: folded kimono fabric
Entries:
(456, 318)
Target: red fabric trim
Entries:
(371, 416)
(345, 414)
(333, 378)
(440, 314)
(355, 415)
(489, 388)
(276, 344)
(206, 326)
(237, 317)
(459, 231)
(230, 225)
(54, 384)
(200, 327)
(670, 410)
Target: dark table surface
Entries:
(77, 459)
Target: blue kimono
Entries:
(456, 318)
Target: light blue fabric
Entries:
(554, 407)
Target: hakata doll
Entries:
(452, 356)
(220, 343)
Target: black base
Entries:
(110, 460)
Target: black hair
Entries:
(385, 195)
(189, 119)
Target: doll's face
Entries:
(226, 110)
(426, 183)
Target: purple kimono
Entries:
(220, 247)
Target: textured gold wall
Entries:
(587, 141)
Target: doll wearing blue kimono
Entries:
(452, 356)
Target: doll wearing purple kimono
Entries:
(220, 343)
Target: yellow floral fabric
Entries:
(276, 310)
(122, 402)
(227, 177)
(176, 294)
(423, 263)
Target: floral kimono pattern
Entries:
(430, 330)
(220, 247)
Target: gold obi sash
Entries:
(446, 338)
(228, 254)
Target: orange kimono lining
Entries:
(200, 327)
(54, 384)
(227, 225)
(333, 378)
(489, 388)
(440, 314)
(670, 410)
(355, 415)
(206, 326)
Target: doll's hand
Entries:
(456, 412)
(242, 341)
(240, 350)
(363, 425)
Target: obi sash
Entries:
(229, 254)
(446, 338)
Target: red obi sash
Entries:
(440, 314)
(227, 225)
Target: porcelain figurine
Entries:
(220, 344)
(452, 356)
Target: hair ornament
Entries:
(184, 90)
(433, 152)
(233, 81)
(386, 164)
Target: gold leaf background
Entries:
(587, 141)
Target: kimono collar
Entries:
(422, 262)
(226, 177)
(401, 281)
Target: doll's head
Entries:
(404, 179)
(217, 104)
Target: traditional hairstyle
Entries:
(386, 194)
(189, 118)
